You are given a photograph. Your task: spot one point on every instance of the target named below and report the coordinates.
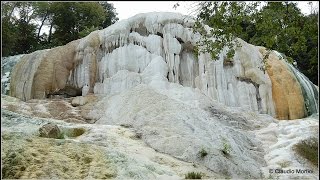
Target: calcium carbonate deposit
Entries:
(148, 108)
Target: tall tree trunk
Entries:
(45, 17)
(50, 33)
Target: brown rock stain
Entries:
(286, 90)
(54, 70)
(47, 71)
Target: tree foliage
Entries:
(18, 34)
(111, 14)
(228, 20)
(22, 23)
(277, 25)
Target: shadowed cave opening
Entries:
(66, 92)
(256, 85)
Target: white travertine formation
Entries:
(176, 102)
(156, 46)
(134, 43)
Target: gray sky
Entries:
(126, 9)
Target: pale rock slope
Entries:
(101, 152)
(279, 139)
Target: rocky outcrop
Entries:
(286, 90)
(43, 72)
(154, 49)
(60, 109)
(50, 131)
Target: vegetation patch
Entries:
(193, 175)
(284, 164)
(44, 158)
(203, 153)
(226, 148)
(308, 149)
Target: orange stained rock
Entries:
(286, 90)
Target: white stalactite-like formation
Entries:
(156, 49)
(126, 48)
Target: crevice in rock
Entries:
(180, 40)
(141, 30)
(180, 79)
(256, 85)
(66, 92)
(232, 120)
(24, 95)
(227, 62)
(187, 46)
(112, 47)
(160, 34)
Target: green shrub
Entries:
(193, 175)
(226, 147)
(308, 149)
(203, 153)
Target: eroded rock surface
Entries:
(61, 109)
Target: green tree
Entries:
(8, 28)
(22, 23)
(70, 18)
(307, 61)
(26, 40)
(18, 28)
(278, 25)
(228, 21)
(111, 14)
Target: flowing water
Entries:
(310, 92)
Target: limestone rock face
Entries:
(49, 131)
(42, 72)
(156, 49)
